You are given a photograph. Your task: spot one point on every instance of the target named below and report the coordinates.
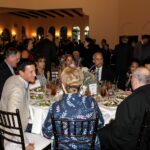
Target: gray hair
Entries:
(142, 75)
(10, 51)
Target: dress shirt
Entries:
(99, 73)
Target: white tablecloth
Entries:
(39, 113)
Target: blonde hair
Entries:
(72, 77)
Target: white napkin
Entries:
(108, 112)
(39, 115)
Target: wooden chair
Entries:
(74, 128)
(144, 135)
(10, 121)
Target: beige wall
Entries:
(107, 18)
(103, 14)
(134, 17)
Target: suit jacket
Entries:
(47, 49)
(123, 132)
(142, 52)
(5, 73)
(15, 96)
(106, 73)
(123, 56)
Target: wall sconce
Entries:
(34, 34)
(1, 30)
(69, 34)
(57, 34)
(13, 33)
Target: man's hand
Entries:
(30, 147)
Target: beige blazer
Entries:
(15, 95)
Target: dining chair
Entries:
(11, 130)
(74, 129)
(10, 121)
(143, 142)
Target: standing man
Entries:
(123, 132)
(123, 58)
(47, 48)
(15, 93)
(142, 49)
(12, 57)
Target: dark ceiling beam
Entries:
(46, 13)
(57, 13)
(16, 14)
(77, 12)
(67, 13)
(27, 14)
(36, 13)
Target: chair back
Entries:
(11, 128)
(144, 135)
(81, 129)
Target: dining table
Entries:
(40, 104)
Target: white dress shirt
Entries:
(99, 73)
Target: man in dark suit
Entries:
(123, 58)
(122, 133)
(47, 48)
(101, 72)
(142, 49)
(12, 57)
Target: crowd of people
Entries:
(23, 63)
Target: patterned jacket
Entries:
(73, 106)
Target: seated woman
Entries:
(42, 75)
(73, 105)
(135, 63)
(68, 60)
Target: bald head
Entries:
(98, 59)
(140, 77)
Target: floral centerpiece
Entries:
(90, 84)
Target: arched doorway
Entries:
(23, 32)
(5, 37)
(63, 33)
(40, 33)
(86, 31)
(52, 31)
(76, 33)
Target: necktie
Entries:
(97, 74)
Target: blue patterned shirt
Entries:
(73, 106)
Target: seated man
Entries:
(15, 95)
(122, 133)
(12, 57)
(77, 58)
(73, 106)
(101, 72)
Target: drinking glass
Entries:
(103, 91)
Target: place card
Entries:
(93, 88)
